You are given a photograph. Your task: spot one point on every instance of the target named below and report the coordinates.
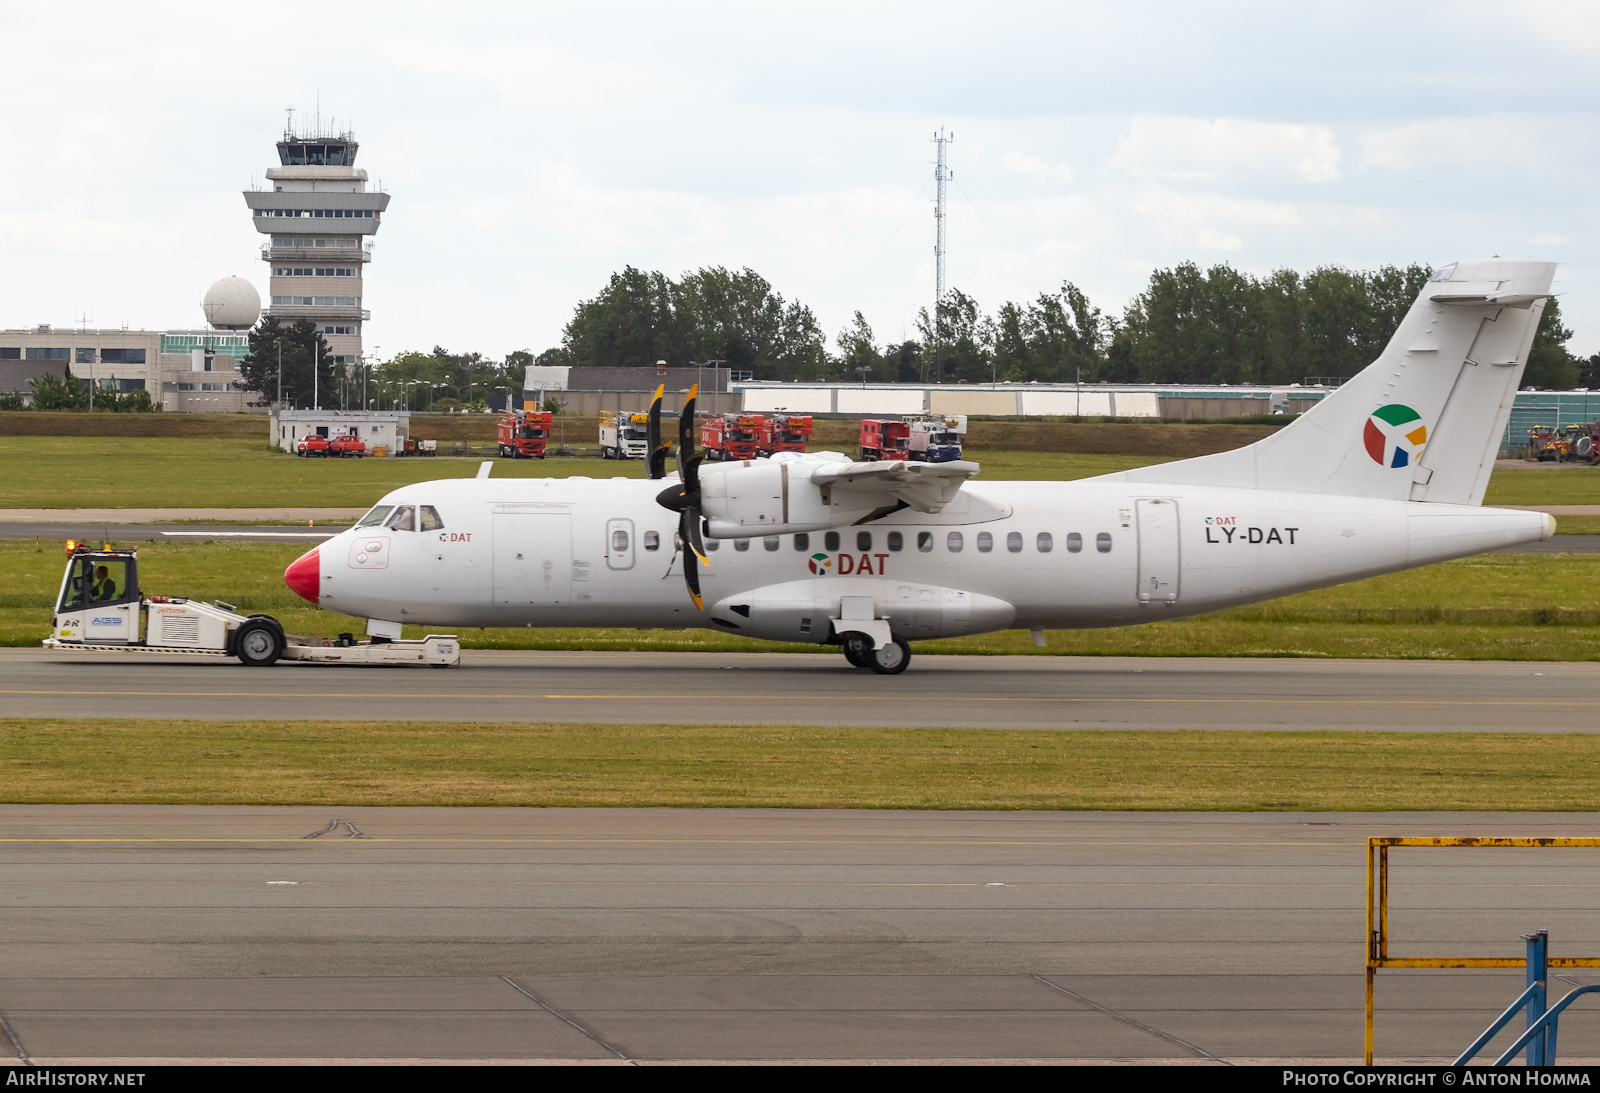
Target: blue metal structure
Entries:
(1539, 1040)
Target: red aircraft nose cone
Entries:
(304, 576)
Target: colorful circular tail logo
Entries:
(820, 564)
(1395, 435)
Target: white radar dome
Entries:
(232, 304)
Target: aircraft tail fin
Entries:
(1421, 423)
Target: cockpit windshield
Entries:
(375, 516)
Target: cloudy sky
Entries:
(533, 149)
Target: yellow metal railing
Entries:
(1378, 913)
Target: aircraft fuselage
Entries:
(584, 553)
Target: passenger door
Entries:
(532, 557)
(1158, 550)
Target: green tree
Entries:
(1550, 366)
(962, 347)
(711, 314)
(51, 393)
(303, 348)
(857, 351)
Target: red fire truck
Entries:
(784, 433)
(884, 439)
(732, 436)
(524, 433)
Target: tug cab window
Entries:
(92, 581)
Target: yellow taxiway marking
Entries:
(1276, 700)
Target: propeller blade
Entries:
(692, 517)
(656, 461)
(691, 572)
(686, 430)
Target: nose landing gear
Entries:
(889, 659)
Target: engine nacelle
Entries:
(777, 497)
(792, 493)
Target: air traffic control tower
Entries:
(318, 216)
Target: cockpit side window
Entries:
(431, 520)
(404, 518)
(374, 517)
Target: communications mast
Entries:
(941, 174)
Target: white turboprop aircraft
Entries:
(1386, 473)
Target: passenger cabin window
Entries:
(741, 544)
(925, 541)
(404, 518)
(1074, 542)
(430, 518)
(830, 540)
(802, 541)
(985, 543)
(897, 541)
(1102, 542)
(619, 541)
(863, 540)
(953, 542)
(770, 542)
(375, 517)
(652, 540)
(1045, 543)
(1014, 542)
(713, 545)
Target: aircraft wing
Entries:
(926, 487)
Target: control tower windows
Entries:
(315, 271)
(318, 214)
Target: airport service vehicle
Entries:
(884, 439)
(936, 439)
(1547, 444)
(100, 610)
(312, 444)
(1386, 473)
(418, 447)
(345, 445)
(732, 436)
(622, 435)
(783, 433)
(524, 433)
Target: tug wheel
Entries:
(258, 644)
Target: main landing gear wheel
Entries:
(887, 660)
(258, 644)
(890, 659)
(857, 650)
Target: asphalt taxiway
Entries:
(819, 689)
(659, 935)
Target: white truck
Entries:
(623, 435)
(937, 437)
(99, 610)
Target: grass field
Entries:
(141, 472)
(1497, 606)
(573, 765)
(146, 472)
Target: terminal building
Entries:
(185, 371)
